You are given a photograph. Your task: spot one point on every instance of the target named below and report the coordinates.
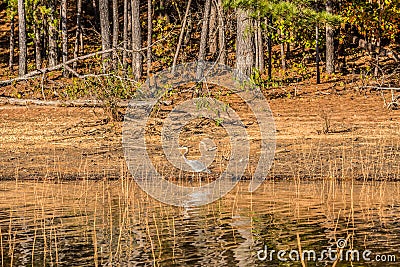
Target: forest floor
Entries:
(322, 131)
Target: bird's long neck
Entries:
(184, 155)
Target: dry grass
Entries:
(114, 222)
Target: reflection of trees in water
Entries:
(59, 223)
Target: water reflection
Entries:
(89, 223)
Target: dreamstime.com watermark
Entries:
(340, 253)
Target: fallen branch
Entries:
(59, 103)
(66, 67)
(49, 69)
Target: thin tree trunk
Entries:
(45, 41)
(203, 38)
(259, 46)
(96, 13)
(378, 41)
(213, 29)
(256, 44)
(282, 46)
(129, 43)
(149, 35)
(164, 11)
(188, 32)
(161, 7)
(136, 41)
(269, 48)
(12, 43)
(221, 34)
(38, 52)
(244, 43)
(178, 47)
(105, 32)
(81, 46)
(125, 38)
(22, 67)
(64, 33)
(288, 49)
(52, 36)
(78, 33)
(283, 56)
(330, 48)
(317, 54)
(115, 32)
(37, 33)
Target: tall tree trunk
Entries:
(221, 33)
(317, 54)
(244, 43)
(38, 52)
(125, 38)
(149, 35)
(283, 56)
(378, 41)
(22, 67)
(259, 46)
(256, 44)
(12, 43)
(136, 41)
(64, 33)
(78, 33)
(188, 32)
(203, 38)
(129, 43)
(52, 36)
(96, 13)
(115, 32)
(282, 48)
(163, 11)
(45, 41)
(105, 32)
(178, 47)
(269, 23)
(213, 29)
(36, 39)
(330, 48)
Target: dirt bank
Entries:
(320, 134)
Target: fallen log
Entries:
(71, 61)
(50, 69)
(59, 103)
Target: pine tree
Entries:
(22, 66)
(105, 32)
(137, 63)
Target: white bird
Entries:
(197, 166)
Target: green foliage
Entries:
(373, 18)
(286, 12)
(218, 121)
(164, 49)
(109, 89)
(100, 87)
(12, 8)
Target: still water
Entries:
(113, 223)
